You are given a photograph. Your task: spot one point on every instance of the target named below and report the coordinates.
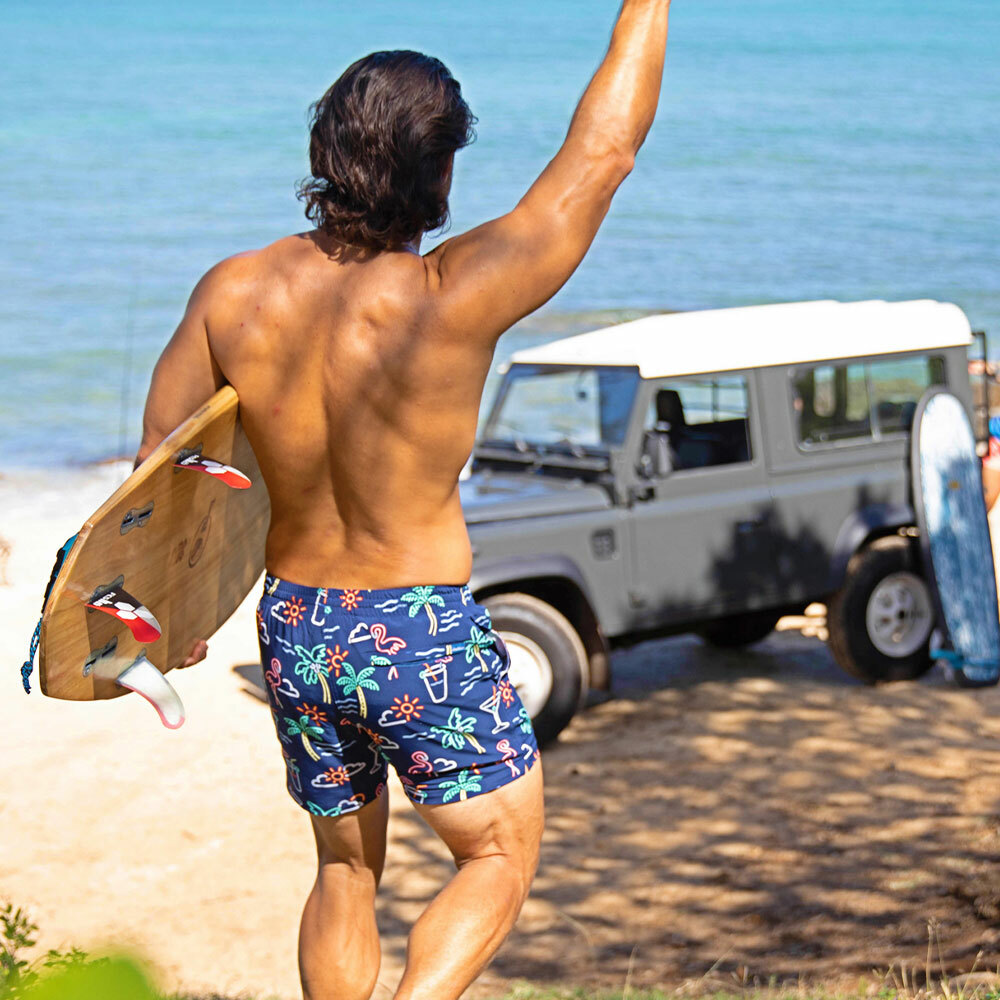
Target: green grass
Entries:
(531, 993)
(74, 975)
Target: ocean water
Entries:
(803, 149)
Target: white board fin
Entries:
(143, 678)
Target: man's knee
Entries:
(340, 980)
(513, 869)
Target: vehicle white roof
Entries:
(757, 336)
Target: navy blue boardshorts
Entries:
(413, 677)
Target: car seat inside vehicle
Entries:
(696, 446)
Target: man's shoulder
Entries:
(388, 288)
(229, 276)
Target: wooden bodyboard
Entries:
(955, 537)
(180, 540)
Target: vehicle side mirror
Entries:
(655, 462)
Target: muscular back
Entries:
(360, 377)
(361, 411)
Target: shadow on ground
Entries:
(753, 813)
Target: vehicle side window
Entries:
(704, 421)
(832, 403)
(861, 401)
(897, 387)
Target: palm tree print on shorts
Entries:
(355, 682)
(465, 782)
(383, 661)
(304, 727)
(424, 597)
(313, 666)
(478, 641)
(525, 719)
(412, 678)
(458, 730)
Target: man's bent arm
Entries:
(485, 280)
(186, 375)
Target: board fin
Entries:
(144, 679)
(119, 604)
(969, 673)
(227, 474)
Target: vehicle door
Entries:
(839, 459)
(700, 507)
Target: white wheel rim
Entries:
(530, 671)
(899, 618)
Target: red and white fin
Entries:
(143, 678)
(140, 620)
(227, 474)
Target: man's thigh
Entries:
(356, 840)
(507, 822)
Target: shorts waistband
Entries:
(452, 594)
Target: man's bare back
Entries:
(361, 411)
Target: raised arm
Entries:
(485, 280)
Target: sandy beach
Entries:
(730, 815)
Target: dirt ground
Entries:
(734, 816)
(759, 814)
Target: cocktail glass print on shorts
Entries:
(435, 678)
(492, 705)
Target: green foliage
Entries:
(109, 979)
(60, 975)
(16, 936)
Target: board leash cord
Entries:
(27, 668)
(29, 664)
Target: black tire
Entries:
(847, 614)
(736, 631)
(548, 630)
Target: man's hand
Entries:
(198, 653)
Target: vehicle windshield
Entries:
(559, 408)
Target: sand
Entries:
(734, 816)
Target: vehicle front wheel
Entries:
(736, 631)
(880, 621)
(548, 664)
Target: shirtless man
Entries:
(359, 365)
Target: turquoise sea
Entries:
(804, 149)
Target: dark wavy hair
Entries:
(380, 145)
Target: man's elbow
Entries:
(146, 448)
(613, 164)
(623, 163)
(611, 156)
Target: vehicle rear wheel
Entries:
(548, 664)
(735, 631)
(880, 621)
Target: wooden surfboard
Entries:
(162, 563)
(955, 537)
